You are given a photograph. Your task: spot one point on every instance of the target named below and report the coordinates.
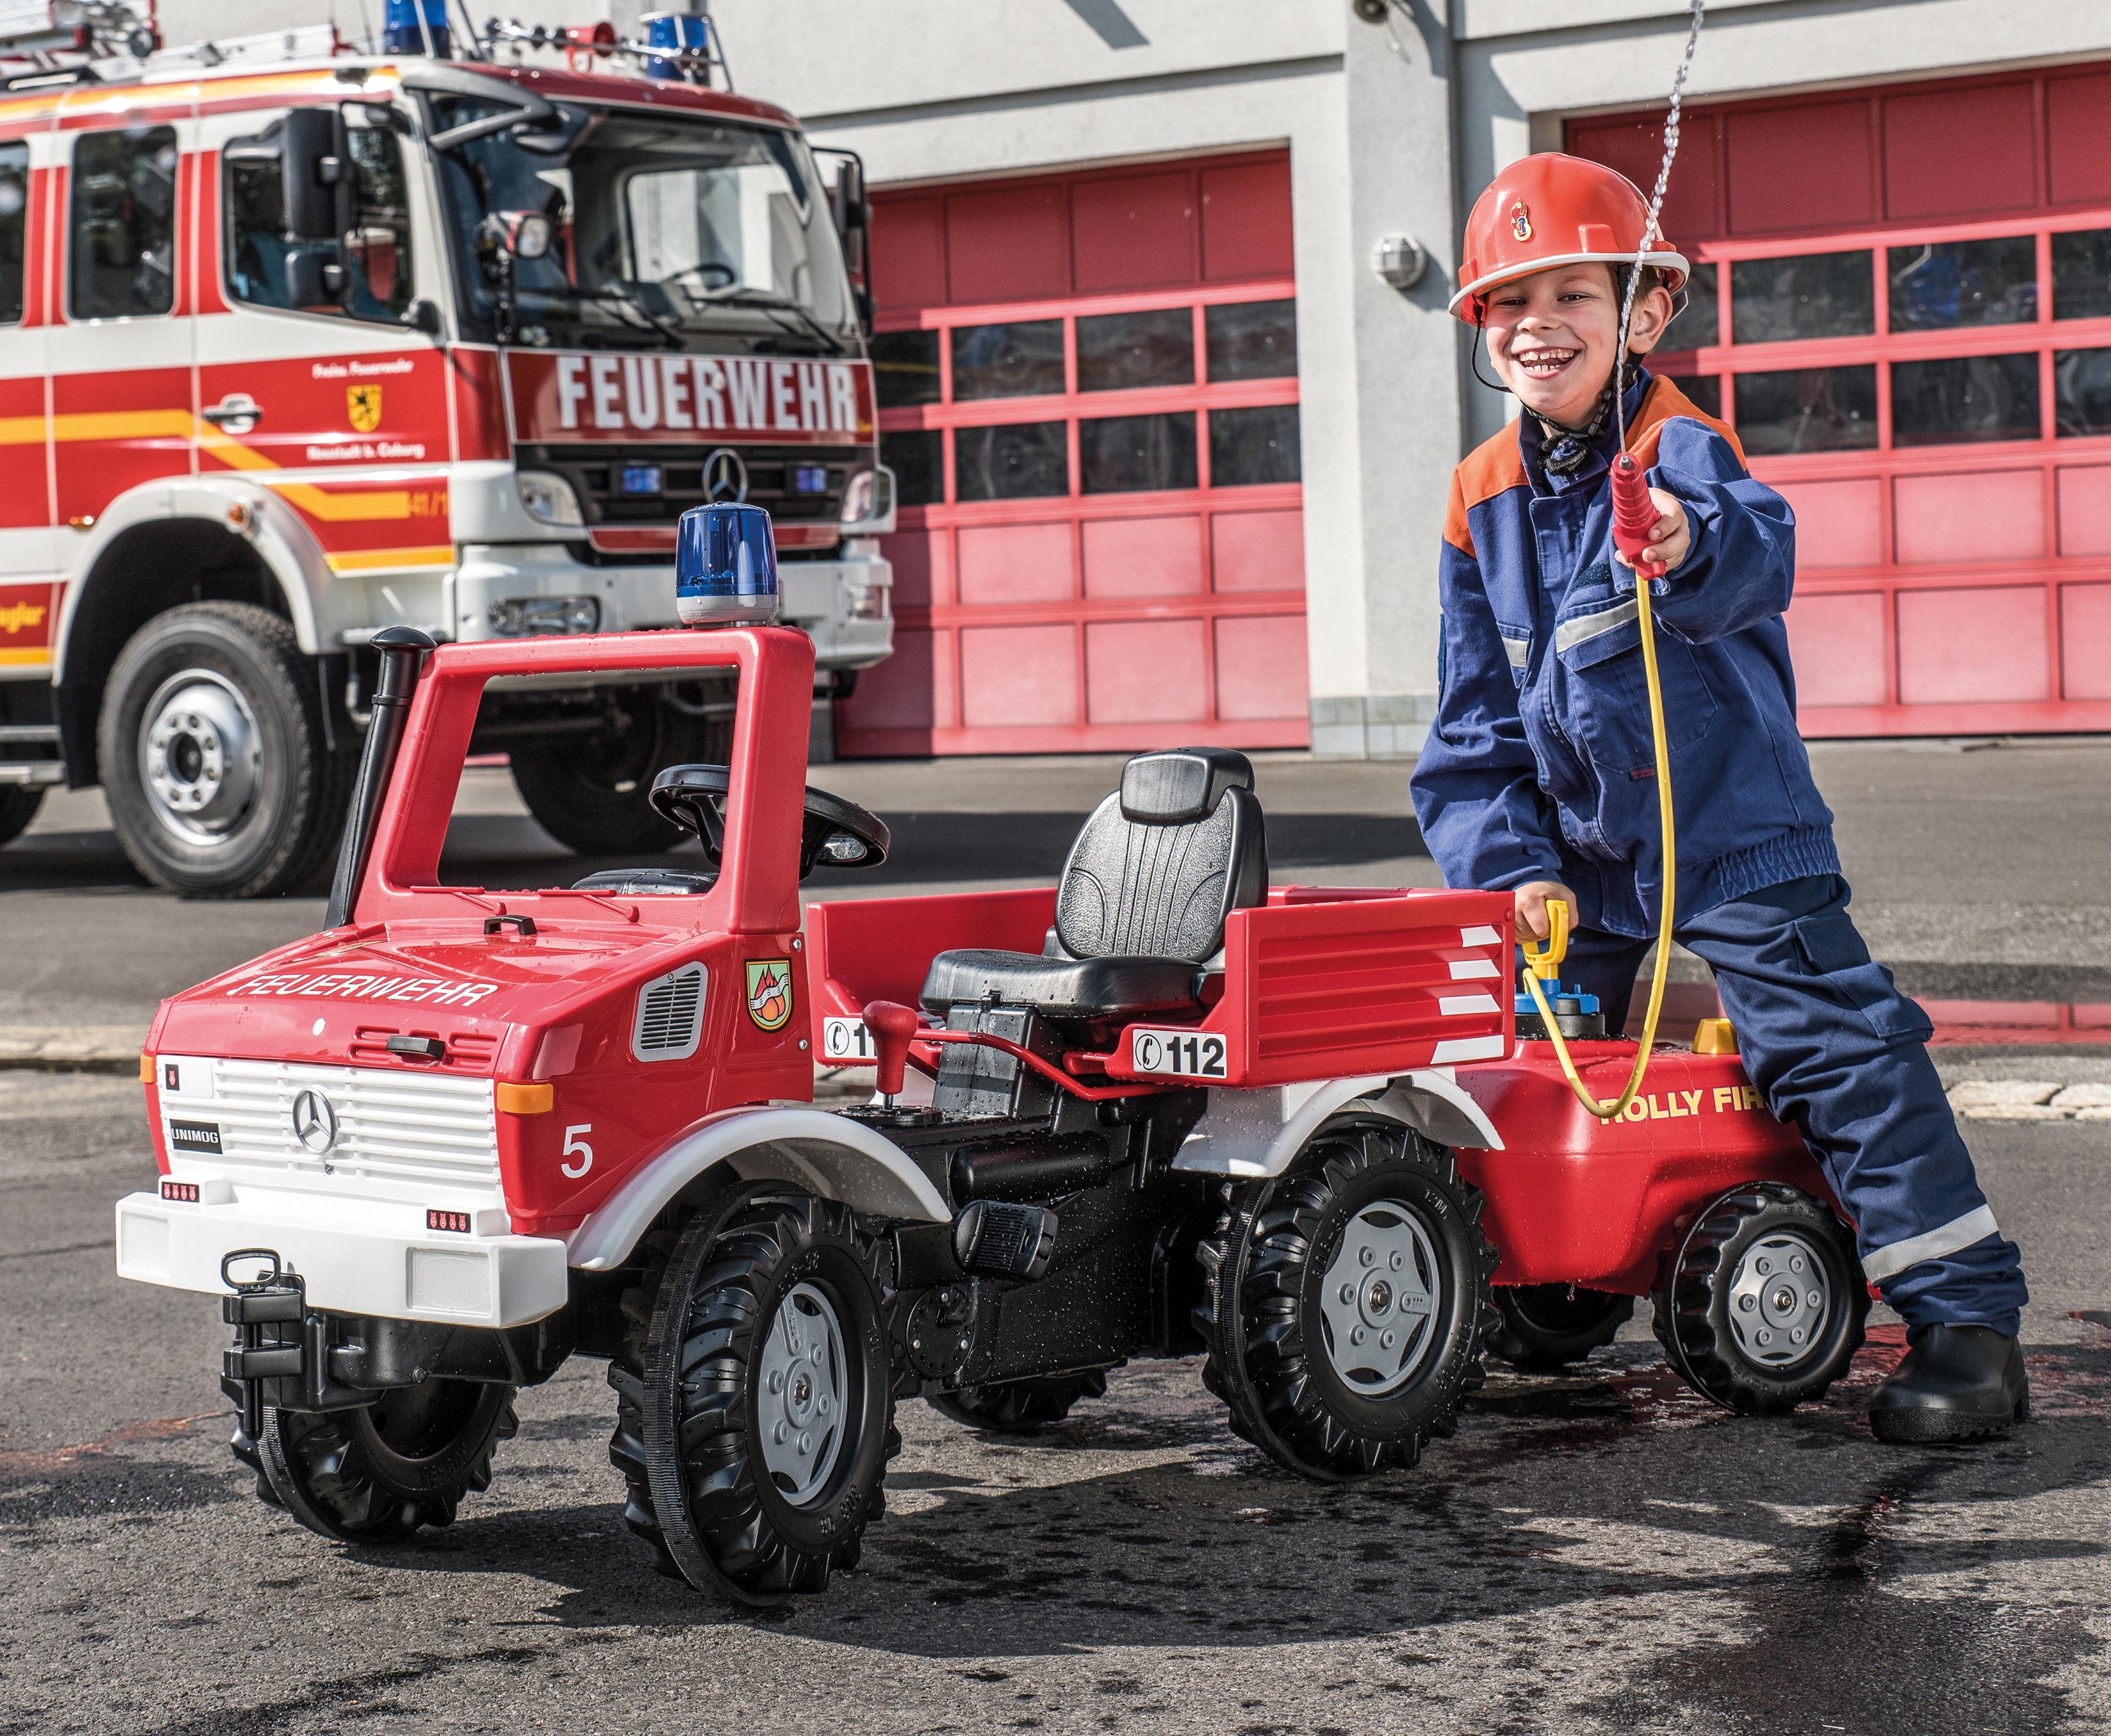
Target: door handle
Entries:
(237, 413)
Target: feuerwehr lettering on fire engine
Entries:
(439, 992)
(736, 394)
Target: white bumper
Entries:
(359, 1256)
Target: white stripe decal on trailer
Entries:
(1468, 1049)
(1453, 1006)
(1475, 970)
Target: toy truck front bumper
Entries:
(357, 1256)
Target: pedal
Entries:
(993, 1239)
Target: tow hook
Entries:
(269, 1313)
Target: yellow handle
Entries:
(1544, 956)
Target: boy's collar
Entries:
(1533, 441)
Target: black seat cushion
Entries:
(1144, 896)
(1063, 988)
(646, 882)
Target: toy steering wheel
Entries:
(836, 832)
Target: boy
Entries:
(1539, 776)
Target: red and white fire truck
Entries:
(296, 345)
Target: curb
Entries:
(72, 1048)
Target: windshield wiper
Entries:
(764, 301)
(626, 300)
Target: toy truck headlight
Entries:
(725, 566)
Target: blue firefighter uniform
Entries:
(1540, 766)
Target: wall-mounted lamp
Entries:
(1399, 260)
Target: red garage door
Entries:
(1904, 307)
(1088, 391)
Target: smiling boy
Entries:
(1539, 774)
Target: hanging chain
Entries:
(1649, 233)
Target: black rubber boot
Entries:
(1955, 1383)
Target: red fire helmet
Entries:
(1555, 210)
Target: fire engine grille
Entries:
(391, 1125)
(596, 474)
(670, 1016)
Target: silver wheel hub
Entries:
(801, 1404)
(201, 754)
(1378, 1301)
(1780, 1297)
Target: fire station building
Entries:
(1174, 452)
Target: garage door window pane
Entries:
(1811, 295)
(1808, 410)
(1697, 326)
(122, 248)
(1939, 285)
(905, 368)
(916, 455)
(2082, 392)
(1248, 448)
(1021, 359)
(1705, 389)
(2081, 274)
(1251, 340)
(1967, 398)
(1023, 460)
(1119, 455)
(1119, 352)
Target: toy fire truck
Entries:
(298, 344)
(1163, 1108)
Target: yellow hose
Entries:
(1609, 1111)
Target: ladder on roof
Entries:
(60, 42)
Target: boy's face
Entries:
(1553, 337)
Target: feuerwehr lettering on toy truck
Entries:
(437, 991)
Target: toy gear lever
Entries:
(893, 1026)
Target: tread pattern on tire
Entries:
(1019, 1407)
(1516, 1343)
(1682, 1304)
(1258, 1250)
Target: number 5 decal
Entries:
(574, 1142)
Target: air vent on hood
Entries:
(670, 1016)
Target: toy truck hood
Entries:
(336, 998)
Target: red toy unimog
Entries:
(1164, 1109)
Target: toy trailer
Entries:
(425, 1156)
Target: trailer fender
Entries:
(1257, 1134)
(827, 1154)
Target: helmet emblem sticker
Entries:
(769, 993)
(1521, 221)
(362, 408)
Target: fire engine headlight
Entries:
(548, 498)
(868, 599)
(868, 501)
(518, 617)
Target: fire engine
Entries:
(298, 344)
(1161, 1108)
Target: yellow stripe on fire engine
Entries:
(36, 654)
(370, 560)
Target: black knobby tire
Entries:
(1750, 1237)
(379, 1474)
(689, 1432)
(1020, 1407)
(1544, 1326)
(18, 807)
(281, 835)
(592, 793)
(1264, 1262)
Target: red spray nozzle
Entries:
(1633, 514)
(892, 1026)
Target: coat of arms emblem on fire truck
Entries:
(362, 404)
(769, 992)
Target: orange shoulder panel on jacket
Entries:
(1665, 401)
(1494, 465)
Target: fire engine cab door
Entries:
(310, 383)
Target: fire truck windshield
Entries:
(666, 232)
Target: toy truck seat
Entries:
(1140, 912)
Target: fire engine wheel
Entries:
(1345, 1303)
(592, 793)
(376, 1473)
(221, 779)
(1020, 1407)
(1545, 1326)
(18, 807)
(1765, 1303)
(755, 1417)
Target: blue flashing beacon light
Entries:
(687, 34)
(400, 30)
(725, 566)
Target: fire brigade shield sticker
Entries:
(362, 405)
(769, 993)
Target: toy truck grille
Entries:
(390, 1128)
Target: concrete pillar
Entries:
(1374, 618)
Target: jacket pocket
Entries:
(1600, 651)
(1832, 950)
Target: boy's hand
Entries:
(1532, 900)
(1671, 538)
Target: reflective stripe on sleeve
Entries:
(1515, 650)
(1954, 1237)
(1573, 632)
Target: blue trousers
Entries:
(1838, 1052)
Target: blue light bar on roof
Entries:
(688, 34)
(401, 32)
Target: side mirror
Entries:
(423, 316)
(852, 212)
(511, 235)
(313, 156)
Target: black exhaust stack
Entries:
(402, 654)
